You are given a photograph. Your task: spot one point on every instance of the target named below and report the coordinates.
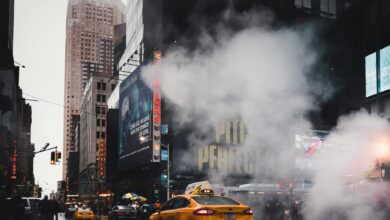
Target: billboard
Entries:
(223, 152)
(384, 68)
(371, 76)
(135, 121)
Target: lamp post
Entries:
(144, 139)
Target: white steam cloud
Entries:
(266, 78)
(259, 76)
(341, 189)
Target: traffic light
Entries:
(58, 156)
(53, 157)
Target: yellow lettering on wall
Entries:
(203, 157)
(231, 159)
(235, 132)
(249, 166)
(242, 132)
(212, 158)
(222, 159)
(227, 132)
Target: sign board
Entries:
(135, 120)
(164, 155)
(102, 158)
(156, 109)
(371, 75)
(194, 188)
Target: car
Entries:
(122, 212)
(203, 205)
(31, 207)
(70, 210)
(83, 213)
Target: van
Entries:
(31, 207)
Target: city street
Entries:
(195, 109)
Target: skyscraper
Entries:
(89, 52)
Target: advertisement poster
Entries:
(135, 102)
(370, 63)
(384, 68)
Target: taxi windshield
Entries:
(214, 200)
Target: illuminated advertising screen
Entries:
(371, 79)
(384, 66)
(135, 122)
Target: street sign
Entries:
(164, 155)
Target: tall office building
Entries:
(89, 52)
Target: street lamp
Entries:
(144, 139)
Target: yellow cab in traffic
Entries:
(200, 203)
(83, 212)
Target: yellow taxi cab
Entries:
(202, 204)
(84, 213)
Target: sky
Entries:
(39, 44)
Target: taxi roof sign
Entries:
(198, 187)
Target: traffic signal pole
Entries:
(46, 150)
(55, 155)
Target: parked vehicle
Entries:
(122, 212)
(31, 207)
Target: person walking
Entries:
(45, 209)
(157, 205)
(55, 208)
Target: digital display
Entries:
(371, 79)
(384, 66)
(135, 101)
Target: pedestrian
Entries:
(55, 208)
(45, 209)
(157, 205)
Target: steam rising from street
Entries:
(341, 190)
(265, 79)
(261, 77)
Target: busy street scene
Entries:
(195, 109)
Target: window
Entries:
(103, 86)
(99, 85)
(103, 110)
(97, 134)
(112, 87)
(180, 202)
(303, 3)
(103, 122)
(102, 134)
(97, 110)
(98, 122)
(168, 205)
(328, 8)
(104, 98)
(214, 200)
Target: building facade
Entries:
(89, 52)
(16, 149)
(93, 120)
